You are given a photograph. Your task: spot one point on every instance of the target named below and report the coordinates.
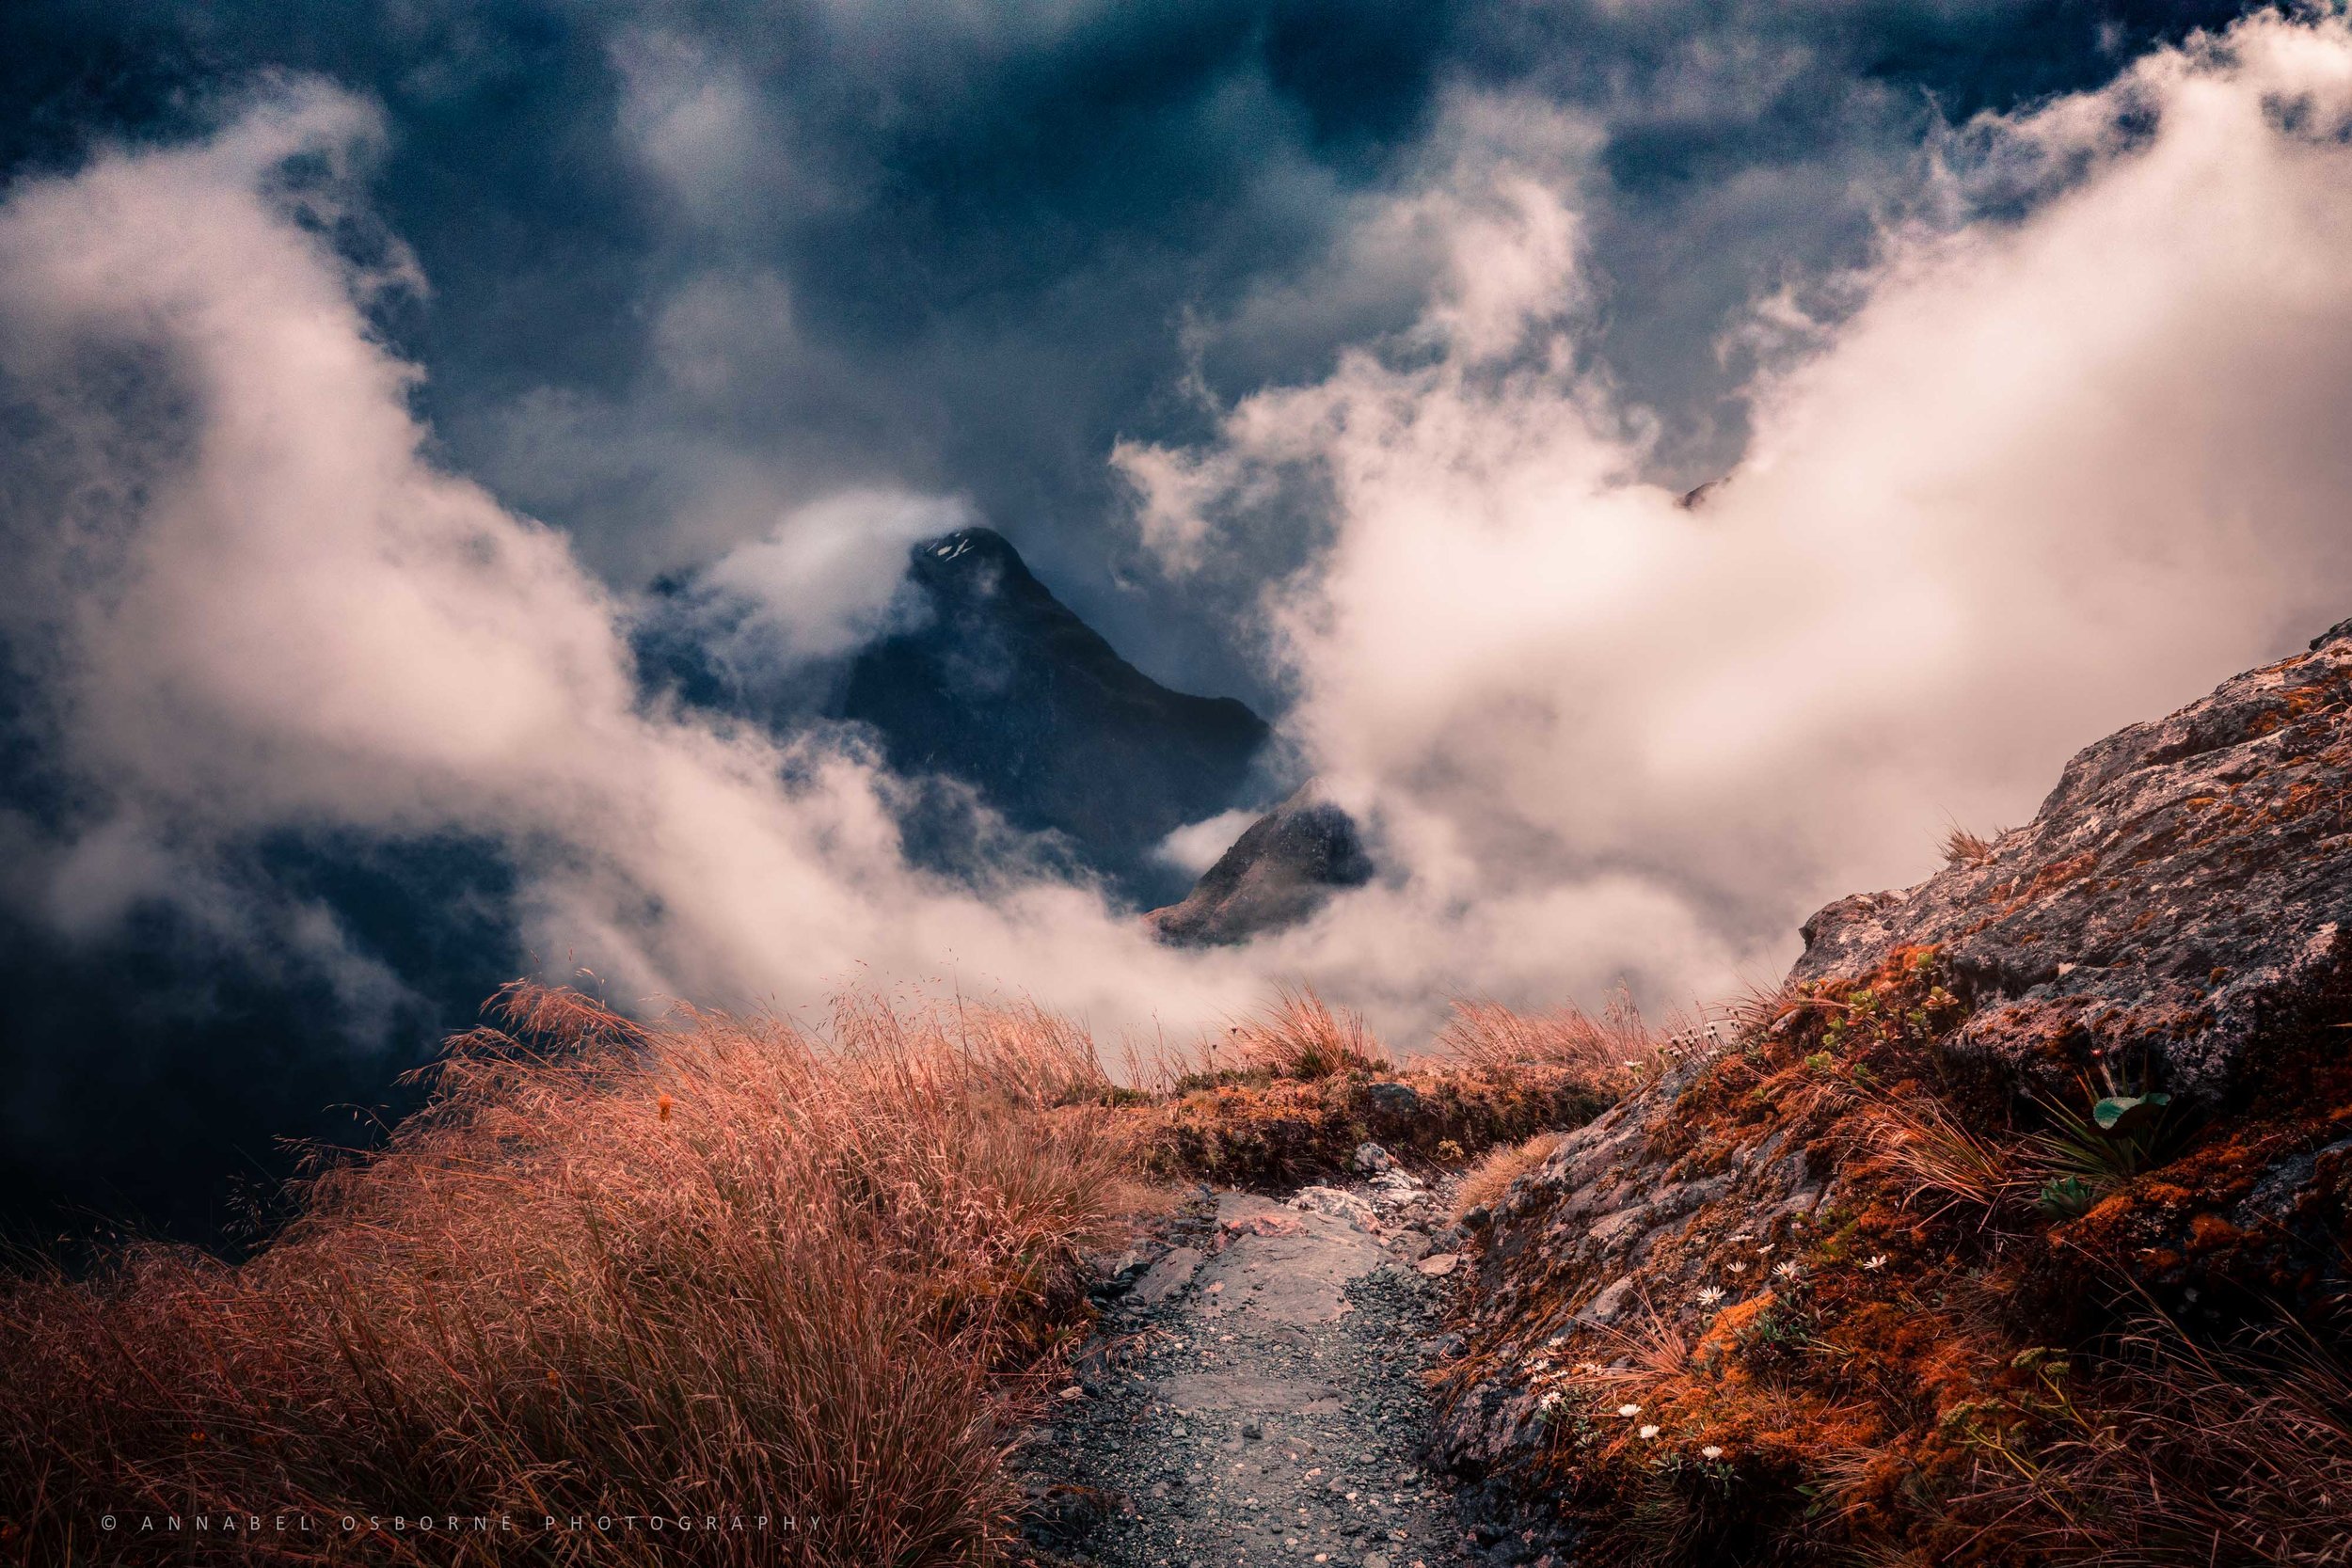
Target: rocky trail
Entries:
(1255, 1394)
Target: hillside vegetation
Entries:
(2015, 1227)
(709, 1271)
(2012, 1228)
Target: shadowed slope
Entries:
(1001, 686)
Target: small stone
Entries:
(1073, 1392)
(1166, 1276)
(1396, 1099)
(1477, 1216)
(1340, 1205)
(1372, 1159)
(1439, 1264)
(1252, 1430)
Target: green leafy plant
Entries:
(2066, 1198)
(2123, 1131)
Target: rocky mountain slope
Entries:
(2012, 1228)
(999, 684)
(980, 679)
(1283, 868)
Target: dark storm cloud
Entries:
(695, 265)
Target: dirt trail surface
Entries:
(1255, 1395)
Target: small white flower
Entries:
(1649, 1431)
(1766, 1246)
(1710, 1296)
(1548, 1402)
(1555, 1341)
(1788, 1270)
(1875, 1261)
(1734, 1267)
(1711, 1452)
(1589, 1369)
(1629, 1410)
(1539, 1364)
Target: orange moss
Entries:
(1853, 1403)
(2210, 1232)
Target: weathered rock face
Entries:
(1759, 1253)
(1625, 1226)
(1277, 872)
(2187, 888)
(1002, 686)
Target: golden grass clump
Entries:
(1302, 1036)
(1611, 1054)
(2176, 1453)
(718, 1271)
(1485, 1183)
(1921, 1142)
(1964, 848)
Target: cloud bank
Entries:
(262, 605)
(2079, 449)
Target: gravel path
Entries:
(1254, 1397)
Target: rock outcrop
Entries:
(1282, 869)
(2186, 889)
(1814, 1259)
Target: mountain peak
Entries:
(1000, 684)
(968, 555)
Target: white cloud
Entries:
(697, 122)
(263, 607)
(2055, 475)
(2052, 475)
(1197, 846)
(822, 582)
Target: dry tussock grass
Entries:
(1300, 1036)
(1485, 1182)
(1651, 1348)
(719, 1268)
(1922, 1144)
(709, 1269)
(1963, 848)
(1612, 1052)
(2177, 1453)
(1297, 1035)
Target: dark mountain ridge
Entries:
(995, 681)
